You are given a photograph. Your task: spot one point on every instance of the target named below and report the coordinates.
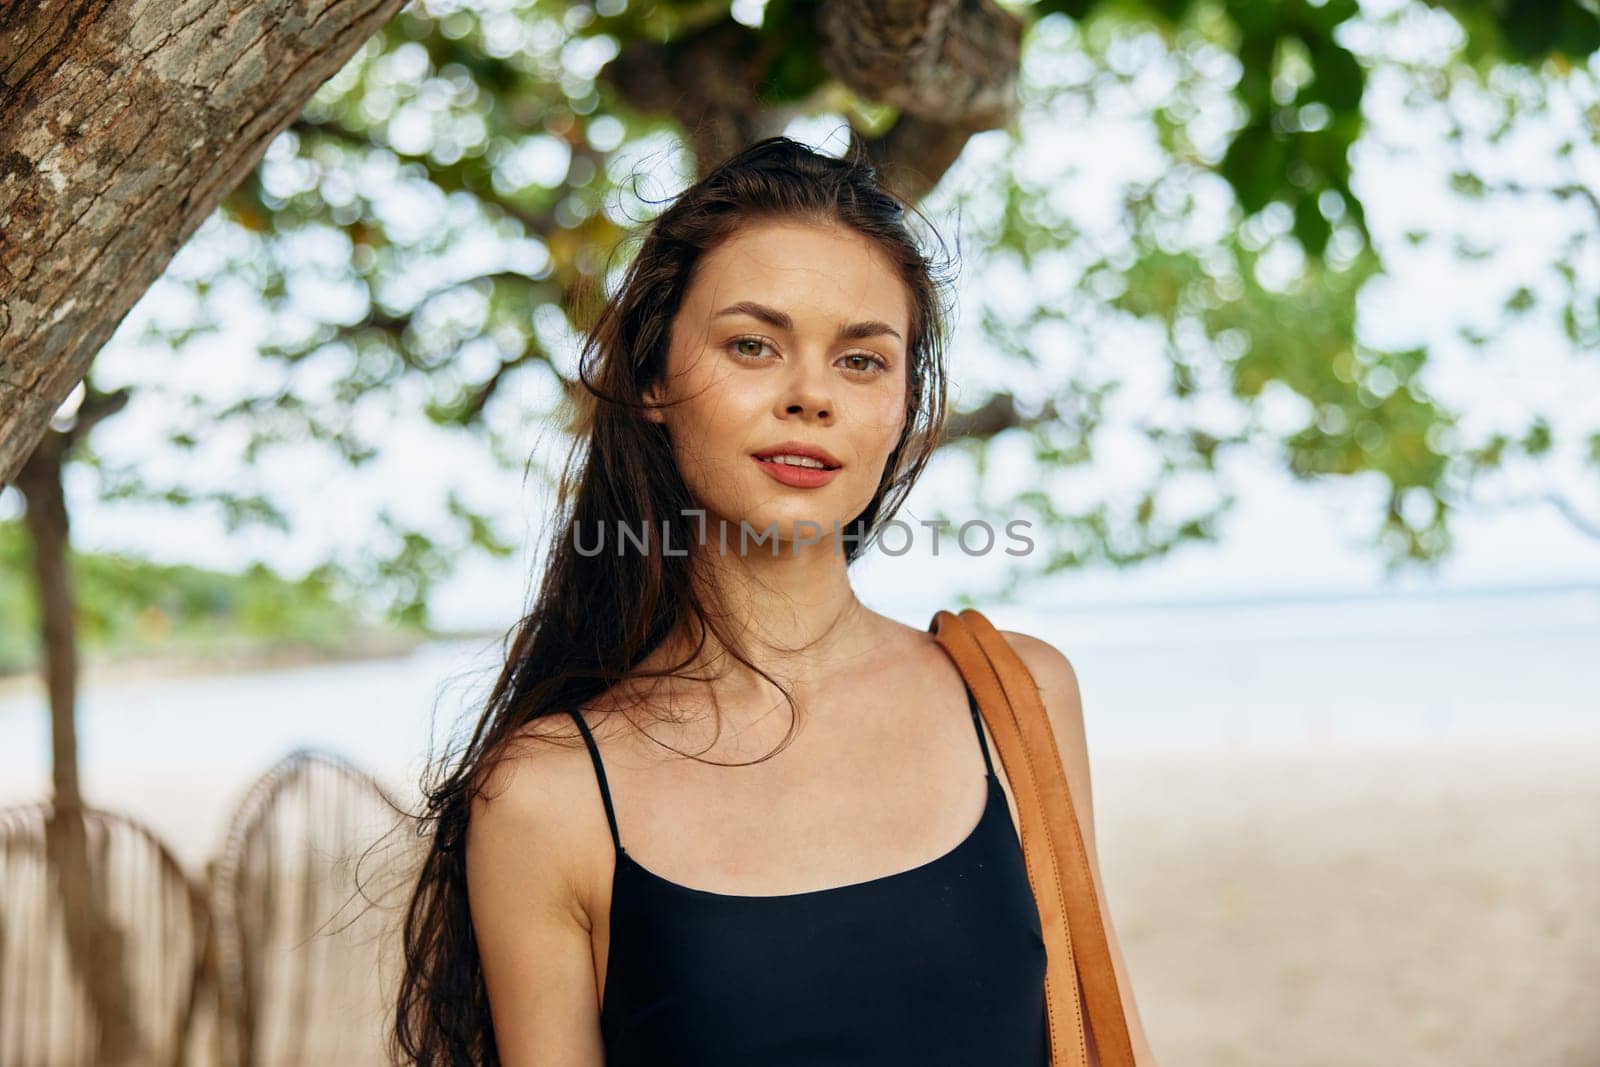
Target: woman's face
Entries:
(788, 332)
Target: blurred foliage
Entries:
(128, 607)
(419, 235)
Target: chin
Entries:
(783, 523)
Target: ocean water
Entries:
(1155, 677)
(1468, 666)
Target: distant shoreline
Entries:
(102, 668)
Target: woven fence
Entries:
(284, 954)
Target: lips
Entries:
(795, 476)
(800, 448)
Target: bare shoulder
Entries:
(1057, 681)
(529, 817)
(527, 839)
(1063, 702)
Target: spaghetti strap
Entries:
(977, 724)
(600, 777)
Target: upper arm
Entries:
(1058, 689)
(531, 929)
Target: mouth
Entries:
(793, 462)
(797, 469)
(798, 455)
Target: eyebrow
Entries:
(855, 331)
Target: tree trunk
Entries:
(46, 518)
(122, 125)
(94, 941)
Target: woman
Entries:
(639, 860)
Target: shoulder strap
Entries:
(1052, 843)
(599, 776)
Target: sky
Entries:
(1284, 538)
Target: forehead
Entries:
(807, 268)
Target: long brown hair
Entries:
(595, 617)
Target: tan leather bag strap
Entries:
(1052, 843)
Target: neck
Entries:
(791, 610)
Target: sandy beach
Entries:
(1402, 904)
(1343, 905)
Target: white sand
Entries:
(1399, 905)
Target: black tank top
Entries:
(943, 963)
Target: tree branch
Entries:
(707, 80)
(998, 414)
(950, 66)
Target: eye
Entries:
(749, 339)
(872, 358)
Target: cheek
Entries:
(712, 424)
(877, 421)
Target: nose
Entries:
(806, 392)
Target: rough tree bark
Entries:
(122, 124)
